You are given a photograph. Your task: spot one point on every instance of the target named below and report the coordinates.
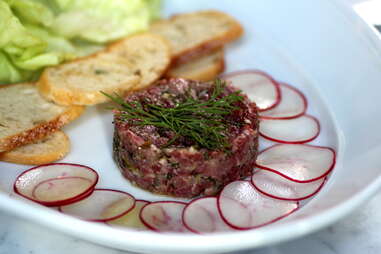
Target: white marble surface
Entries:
(359, 233)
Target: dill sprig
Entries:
(202, 121)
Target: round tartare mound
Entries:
(156, 159)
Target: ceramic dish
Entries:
(321, 47)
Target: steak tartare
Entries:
(185, 138)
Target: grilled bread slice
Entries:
(194, 34)
(204, 68)
(52, 148)
(26, 117)
(135, 61)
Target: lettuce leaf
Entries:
(32, 12)
(20, 50)
(39, 33)
(9, 72)
(154, 7)
(101, 20)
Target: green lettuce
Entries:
(21, 51)
(102, 20)
(33, 12)
(39, 33)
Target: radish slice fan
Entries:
(276, 186)
(243, 207)
(292, 131)
(56, 184)
(260, 87)
(164, 216)
(131, 219)
(299, 163)
(202, 216)
(102, 205)
(292, 105)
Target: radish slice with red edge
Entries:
(131, 219)
(292, 105)
(56, 184)
(291, 131)
(298, 162)
(260, 87)
(164, 216)
(103, 205)
(243, 207)
(52, 188)
(276, 186)
(202, 216)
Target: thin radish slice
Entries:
(131, 219)
(202, 216)
(243, 207)
(51, 189)
(276, 186)
(56, 184)
(260, 87)
(292, 105)
(299, 163)
(103, 205)
(164, 216)
(298, 130)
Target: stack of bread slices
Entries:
(32, 114)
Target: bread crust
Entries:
(75, 95)
(196, 69)
(41, 130)
(69, 96)
(202, 48)
(59, 146)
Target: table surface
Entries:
(359, 233)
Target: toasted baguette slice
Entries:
(148, 54)
(52, 148)
(204, 68)
(139, 58)
(25, 116)
(193, 34)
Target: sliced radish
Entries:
(164, 216)
(292, 105)
(291, 131)
(276, 186)
(299, 163)
(202, 216)
(260, 87)
(131, 219)
(56, 184)
(52, 189)
(243, 207)
(102, 205)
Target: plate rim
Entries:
(128, 239)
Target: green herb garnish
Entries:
(100, 72)
(202, 121)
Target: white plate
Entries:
(323, 48)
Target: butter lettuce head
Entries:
(20, 51)
(101, 20)
(39, 33)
